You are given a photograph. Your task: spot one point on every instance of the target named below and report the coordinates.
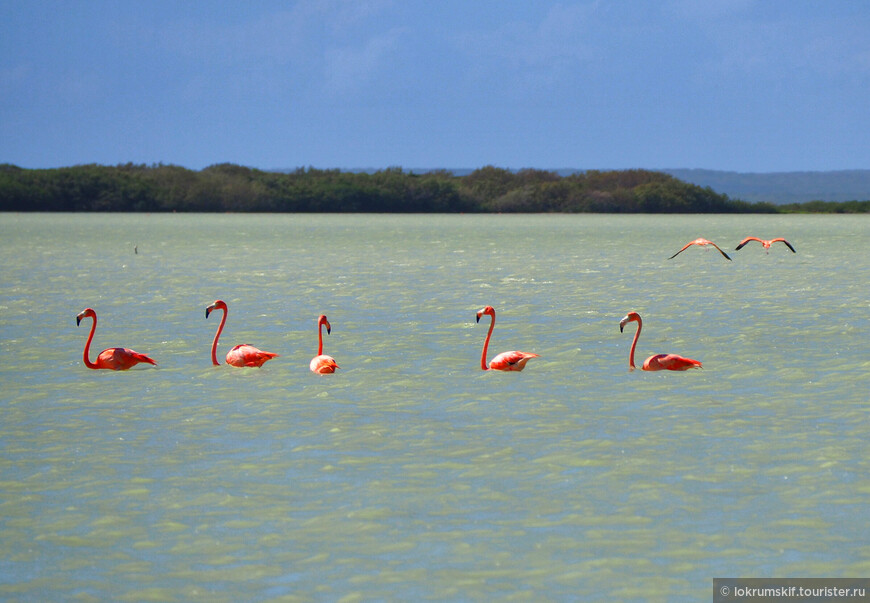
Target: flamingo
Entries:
(658, 362)
(241, 355)
(323, 364)
(764, 243)
(116, 359)
(703, 243)
(506, 361)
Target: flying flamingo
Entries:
(116, 359)
(506, 361)
(702, 243)
(241, 355)
(658, 362)
(323, 364)
(764, 243)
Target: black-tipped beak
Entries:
(78, 320)
(207, 310)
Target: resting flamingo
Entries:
(702, 243)
(764, 243)
(323, 364)
(115, 359)
(506, 361)
(658, 362)
(241, 355)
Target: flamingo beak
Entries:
(478, 317)
(207, 310)
(78, 320)
(622, 323)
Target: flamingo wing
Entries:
(511, 361)
(323, 364)
(682, 250)
(727, 257)
(121, 359)
(247, 355)
(670, 362)
(787, 244)
(745, 241)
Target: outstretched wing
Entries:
(787, 244)
(720, 251)
(682, 250)
(745, 241)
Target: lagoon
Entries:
(412, 474)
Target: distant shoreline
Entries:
(234, 188)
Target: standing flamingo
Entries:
(323, 364)
(658, 362)
(702, 243)
(241, 355)
(506, 361)
(116, 359)
(764, 243)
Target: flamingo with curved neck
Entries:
(115, 359)
(506, 361)
(241, 355)
(323, 364)
(657, 362)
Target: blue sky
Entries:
(742, 85)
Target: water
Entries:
(411, 474)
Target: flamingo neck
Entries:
(320, 339)
(87, 351)
(217, 336)
(634, 343)
(483, 365)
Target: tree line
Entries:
(234, 188)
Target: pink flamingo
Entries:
(323, 364)
(116, 359)
(658, 362)
(702, 243)
(764, 243)
(241, 355)
(506, 361)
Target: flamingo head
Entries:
(87, 312)
(631, 316)
(489, 310)
(217, 305)
(322, 321)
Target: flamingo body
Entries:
(247, 355)
(243, 355)
(511, 361)
(702, 243)
(322, 364)
(506, 361)
(657, 362)
(669, 362)
(115, 359)
(764, 243)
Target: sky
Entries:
(735, 85)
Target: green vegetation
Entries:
(826, 207)
(233, 188)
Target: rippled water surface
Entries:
(411, 474)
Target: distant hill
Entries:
(782, 187)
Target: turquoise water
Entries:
(412, 474)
